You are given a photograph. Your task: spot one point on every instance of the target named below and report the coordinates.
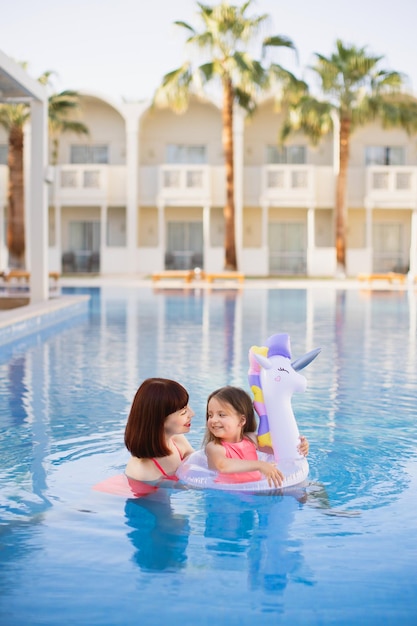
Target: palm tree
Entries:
(13, 118)
(357, 91)
(60, 106)
(226, 37)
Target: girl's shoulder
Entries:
(214, 446)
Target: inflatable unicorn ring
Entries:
(273, 379)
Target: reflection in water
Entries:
(235, 527)
(258, 528)
(278, 559)
(17, 389)
(158, 534)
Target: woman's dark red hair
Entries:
(155, 399)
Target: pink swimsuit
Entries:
(246, 450)
(163, 472)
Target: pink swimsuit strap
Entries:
(161, 469)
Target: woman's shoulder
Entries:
(142, 469)
(183, 445)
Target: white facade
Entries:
(17, 86)
(145, 191)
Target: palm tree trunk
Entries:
(16, 204)
(341, 201)
(229, 208)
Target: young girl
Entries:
(231, 441)
(154, 434)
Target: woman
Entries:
(154, 435)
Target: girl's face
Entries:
(178, 423)
(224, 422)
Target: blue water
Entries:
(342, 551)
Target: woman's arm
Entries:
(217, 460)
(303, 446)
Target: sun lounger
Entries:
(391, 277)
(24, 275)
(210, 277)
(186, 275)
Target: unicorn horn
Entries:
(304, 360)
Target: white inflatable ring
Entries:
(195, 473)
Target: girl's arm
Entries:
(217, 460)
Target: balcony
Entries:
(184, 184)
(288, 185)
(89, 184)
(391, 186)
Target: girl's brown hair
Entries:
(155, 399)
(240, 401)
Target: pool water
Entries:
(342, 550)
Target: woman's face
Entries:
(179, 423)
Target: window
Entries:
(89, 154)
(384, 155)
(286, 154)
(188, 155)
(4, 150)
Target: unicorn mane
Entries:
(276, 345)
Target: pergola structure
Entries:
(17, 86)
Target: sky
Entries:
(120, 49)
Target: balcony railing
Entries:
(184, 182)
(284, 184)
(81, 183)
(391, 184)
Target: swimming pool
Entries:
(343, 552)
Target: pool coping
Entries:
(130, 280)
(31, 318)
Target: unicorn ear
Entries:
(263, 361)
(304, 360)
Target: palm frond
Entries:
(185, 25)
(174, 90)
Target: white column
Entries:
(238, 128)
(131, 114)
(368, 235)
(412, 273)
(206, 234)
(161, 233)
(311, 240)
(132, 168)
(264, 237)
(103, 231)
(39, 282)
(58, 232)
